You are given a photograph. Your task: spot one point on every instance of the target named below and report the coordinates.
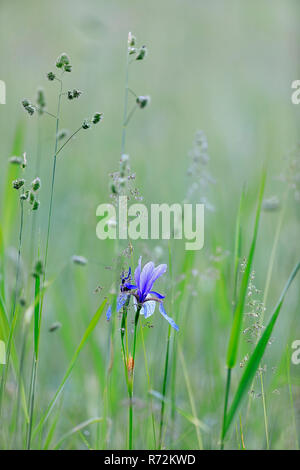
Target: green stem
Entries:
(164, 388)
(136, 320)
(227, 389)
(13, 315)
(39, 307)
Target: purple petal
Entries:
(157, 294)
(137, 272)
(146, 275)
(170, 320)
(129, 286)
(156, 273)
(121, 301)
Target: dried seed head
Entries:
(131, 40)
(36, 184)
(97, 118)
(38, 269)
(24, 162)
(62, 60)
(40, 100)
(130, 365)
(55, 326)
(62, 134)
(15, 160)
(141, 54)
(73, 94)
(86, 124)
(24, 196)
(142, 101)
(81, 260)
(28, 107)
(50, 76)
(36, 205)
(31, 197)
(17, 184)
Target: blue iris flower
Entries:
(142, 292)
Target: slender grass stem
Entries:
(68, 140)
(164, 388)
(14, 308)
(40, 303)
(227, 390)
(265, 299)
(265, 410)
(149, 387)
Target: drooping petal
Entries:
(137, 272)
(128, 274)
(129, 286)
(145, 277)
(147, 308)
(169, 320)
(157, 294)
(156, 273)
(121, 301)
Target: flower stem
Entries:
(131, 380)
(164, 388)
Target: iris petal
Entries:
(137, 272)
(147, 308)
(156, 273)
(169, 320)
(145, 277)
(121, 301)
(157, 294)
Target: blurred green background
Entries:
(225, 67)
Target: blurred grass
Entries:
(224, 67)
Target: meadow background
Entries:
(224, 67)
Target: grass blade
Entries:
(84, 339)
(257, 355)
(238, 314)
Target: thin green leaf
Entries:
(84, 339)
(76, 429)
(238, 314)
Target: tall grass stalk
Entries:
(265, 300)
(39, 304)
(14, 309)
